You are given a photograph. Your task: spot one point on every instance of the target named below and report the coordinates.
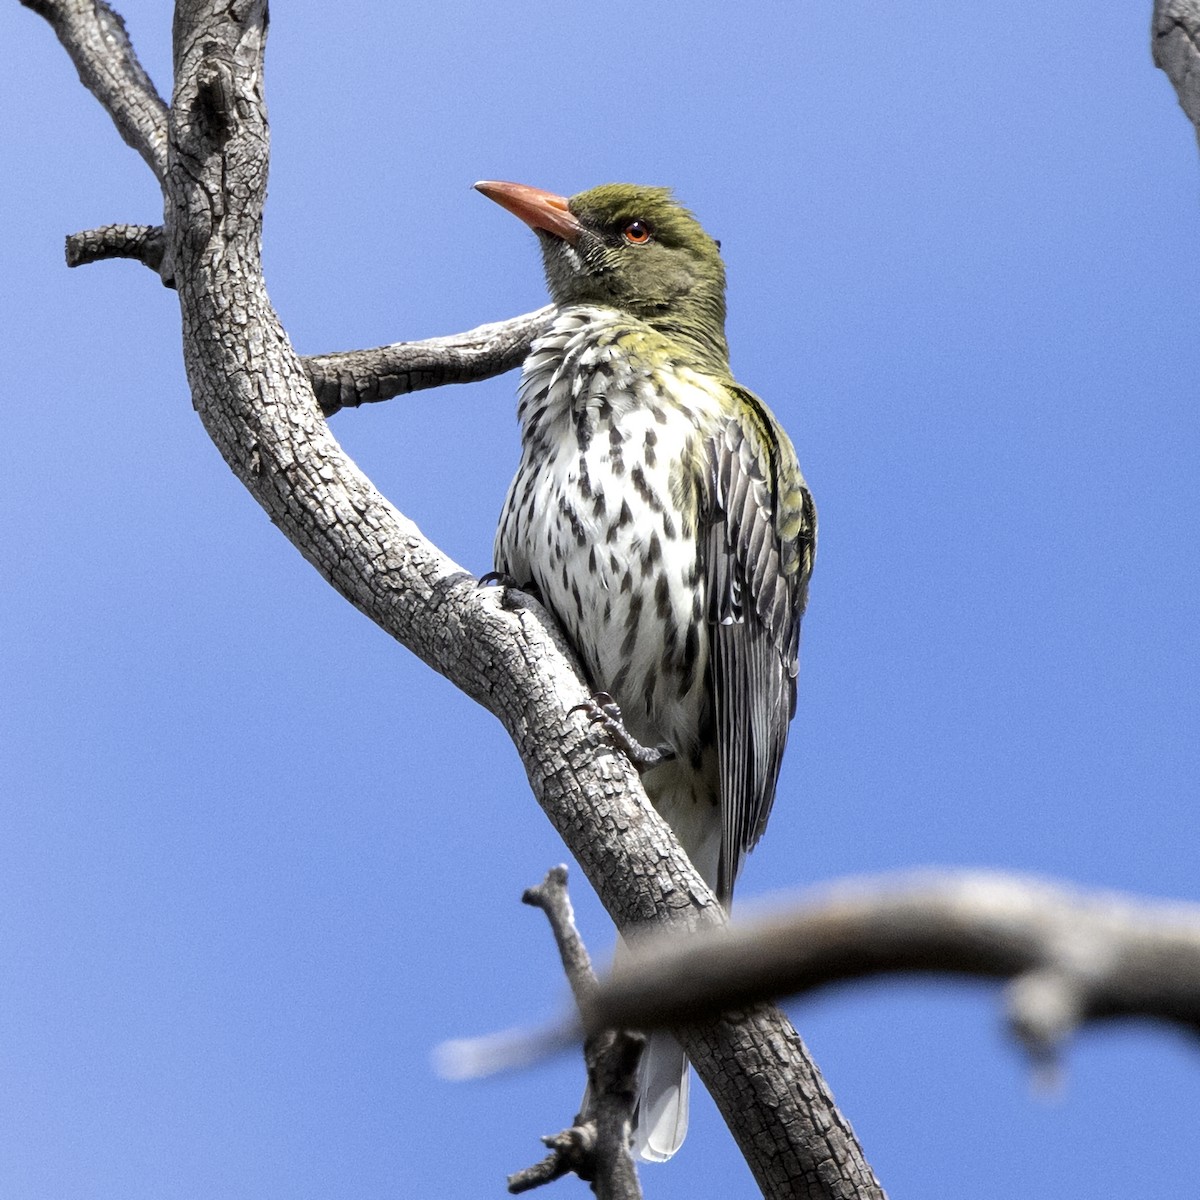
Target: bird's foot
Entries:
(604, 712)
(510, 600)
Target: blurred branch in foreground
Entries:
(1070, 956)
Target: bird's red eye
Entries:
(637, 233)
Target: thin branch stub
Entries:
(144, 243)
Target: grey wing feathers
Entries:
(758, 558)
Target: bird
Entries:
(659, 513)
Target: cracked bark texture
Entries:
(95, 38)
(1175, 45)
(141, 242)
(253, 395)
(357, 377)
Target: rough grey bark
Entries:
(254, 398)
(145, 243)
(1175, 44)
(95, 38)
(365, 376)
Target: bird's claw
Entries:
(497, 579)
(502, 579)
(601, 707)
(604, 711)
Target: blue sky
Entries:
(256, 861)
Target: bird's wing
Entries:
(757, 559)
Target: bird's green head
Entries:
(635, 249)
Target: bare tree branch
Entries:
(1175, 44)
(352, 377)
(596, 1147)
(145, 243)
(552, 897)
(1072, 956)
(364, 376)
(254, 399)
(571, 1152)
(95, 38)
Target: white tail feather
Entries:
(660, 1119)
(661, 1116)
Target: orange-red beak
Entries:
(539, 210)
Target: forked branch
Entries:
(596, 1147)
(253, 395)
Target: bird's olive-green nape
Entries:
(642, 252)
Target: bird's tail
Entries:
(660, 1116)
(660, 1119)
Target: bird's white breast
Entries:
(602, 516)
